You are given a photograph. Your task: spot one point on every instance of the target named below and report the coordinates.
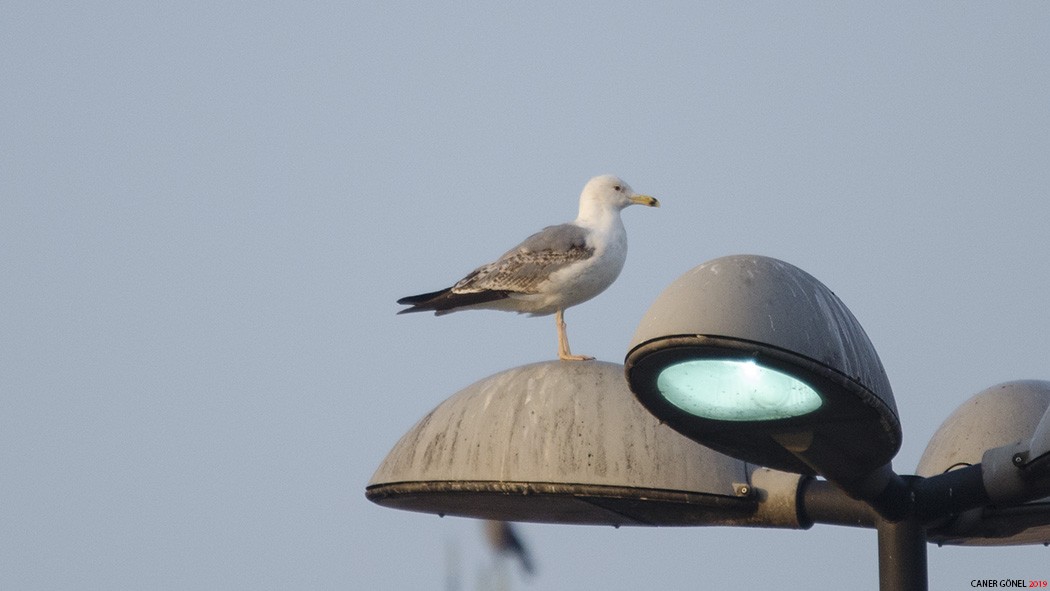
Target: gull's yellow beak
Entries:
(645, 200)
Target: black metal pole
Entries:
(902, 555)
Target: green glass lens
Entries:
(735, 390)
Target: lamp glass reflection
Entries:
(735, 390)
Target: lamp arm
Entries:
(1019, 472)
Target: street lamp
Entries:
(1005, 428)
(566, 442)
(772, 382)
(756, 358)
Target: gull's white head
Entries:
(609, 193)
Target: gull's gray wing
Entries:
(524, 267)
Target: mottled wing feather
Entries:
(523, 268)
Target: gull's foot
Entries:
(570, 357)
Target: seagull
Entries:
(504, 539)
(554, 269)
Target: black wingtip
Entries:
(445, 301)
(423, 298)
(424, 302)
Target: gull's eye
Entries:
(617, 188)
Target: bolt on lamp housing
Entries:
(755, 358)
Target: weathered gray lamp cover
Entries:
(760, 312)
(1001, 415)
(566, 442)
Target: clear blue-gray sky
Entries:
(208, 209)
